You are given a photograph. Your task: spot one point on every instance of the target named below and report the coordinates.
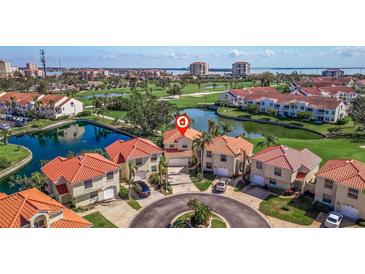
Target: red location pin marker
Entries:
(182, 123)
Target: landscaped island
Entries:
(11, 154)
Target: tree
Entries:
(304, 115)
(357, 110)
(253, 108)
(202, 212)
(5, 133)
(272, 112)
(214, 85)
(174, 90)
(269, 140)
(162, 171)
(267, 78)
(226, 128)
(132, 170)
(199, 146)
(148, 113)
(213, 128)
(37, 180)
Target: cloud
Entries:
(269, 53)
(350, 51)
(237, 53)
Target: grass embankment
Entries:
(11, 154)
(99, 221)
(134, 204)
(322, 128)
(299, 211)
(325, 148)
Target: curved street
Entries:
(160, 213)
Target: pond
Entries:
(46, 145)
(252, 129)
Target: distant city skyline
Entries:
(181, 57)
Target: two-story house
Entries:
(340, 184)
(32, 208)
(142, 152)
(82, 180)
(284, 167)
(226, 156)
(178, 147)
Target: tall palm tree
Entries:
(213, 128)
(269, 140)
(226, 128)
(5, 134)
(162, 170)
(199, 146)
(202, 212)
(132, 170)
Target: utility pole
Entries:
(43, 61)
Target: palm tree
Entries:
(199, 146)
(5, 134)
(132, 170)
(202, 212)
(269, 140)
(226, 128)
(244, 136)
(213, 128)
(162, 170)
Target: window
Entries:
(110, 176)
(184, 146)
(209, 154)
(223, 158)
(258, 165)
(88, 184)
(93, 195)
(277, 171)
(139, 162)
(171, 146)
(353, 193)
(153, 168)
(272, 181)
(328, 184)
(40, 223)
(208, 165)
(153, 157)
(327, 199)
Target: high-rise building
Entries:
(240, 69)
(199, 68)
(333, 72)
(5, 67)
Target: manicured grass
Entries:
(34, 124)
(194, 101)
(99, 221)
(11, 154)
(325, 148)
(322, 128)
(115, 114)
(217, 222)
(204, 184)
(134, 204)
(299, 211)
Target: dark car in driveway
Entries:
(141, 189)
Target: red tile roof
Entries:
(17, 209)
(79, 168)
(311, 91)
(20, 97)
(229, 145)
(350, 173)
(48, 98)
(173, 135)
(122, 151)
(335, 90)
(288, 158)
(170, 153)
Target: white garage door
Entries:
(349, 212)
(221, 171)
(258, 180)
(178, 161)
(109, 193)
(141, 175)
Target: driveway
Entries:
(179, 180)
(162, 212)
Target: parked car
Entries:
(221, 185)
(333, 220)
(5, 126)
(142, 189)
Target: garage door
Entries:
(141, 175)
(178, 161)
(109, 193)
(221, 172)
(349, 212)
(258, 180)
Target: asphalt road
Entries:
(160, 213)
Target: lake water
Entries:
(46, 145)
(252, 129)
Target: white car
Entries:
(333, 220)
(221, 185)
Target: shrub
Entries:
(304, 115)
(253, 108)
(272, 112)
(63, 118)
(286, 208)
(265, 119)
(154, 179)
(83, 113)
(123, 192)
(343, 121)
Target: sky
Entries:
(180, 57)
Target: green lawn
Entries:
(325, 148)
(322, 128)
(217, 222)
(115, 114)
(99, 221)
(299, 211)
(11, 154)
(204, 184)
(134, 204)
(194, 101)
(34, 124)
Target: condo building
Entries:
(199, 68)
